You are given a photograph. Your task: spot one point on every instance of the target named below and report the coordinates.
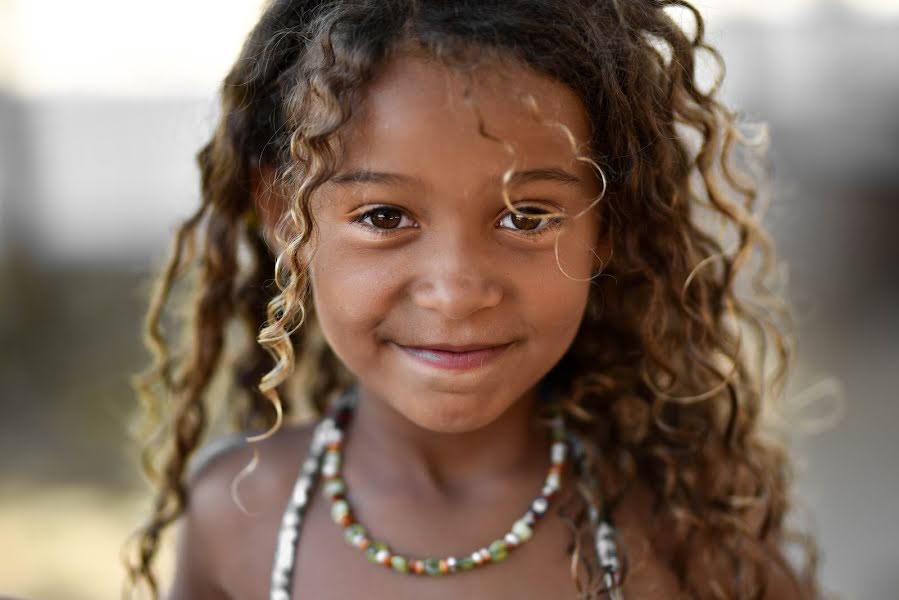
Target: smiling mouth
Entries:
(454, 360)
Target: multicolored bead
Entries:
(399, 563)
(331, 465)
(339, 509)
(383, 556)
(432, 566)
(354, 533)
(374, 551)
(498, 550)
(334, 487)
(522, 530)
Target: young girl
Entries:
(487, 254)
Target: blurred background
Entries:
(102, 107)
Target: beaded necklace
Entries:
(325, 459)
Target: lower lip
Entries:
(456, 361)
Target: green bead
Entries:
(339, 509)
(399, 563)
(331, 464)
(498, 550)
(371, 552)
(432, 566)
(522, 530)
(352, 532)
(466, 563)
(334, 487)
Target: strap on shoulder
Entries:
(212, 450)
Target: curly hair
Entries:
(667, 377)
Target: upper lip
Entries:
(456, 347)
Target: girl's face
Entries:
(417, 249)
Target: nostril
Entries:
(457, 298)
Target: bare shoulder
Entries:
(214, 523)
(211, 478)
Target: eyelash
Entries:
(551, 224)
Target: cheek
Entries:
(557, 297)
(556, 305)
(351, 299)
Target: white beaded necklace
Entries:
(325, 459)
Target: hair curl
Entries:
(661, 381)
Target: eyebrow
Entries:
(553, 174)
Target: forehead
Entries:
(419, 114)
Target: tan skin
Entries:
(437, 463)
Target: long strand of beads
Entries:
(604, 533)
(288, 533)
(335, 490)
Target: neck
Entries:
(388, 446)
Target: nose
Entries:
(457, 279)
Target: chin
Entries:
(450, 418)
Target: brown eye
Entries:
(526, 223)
(542, 221)
(384, 218)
